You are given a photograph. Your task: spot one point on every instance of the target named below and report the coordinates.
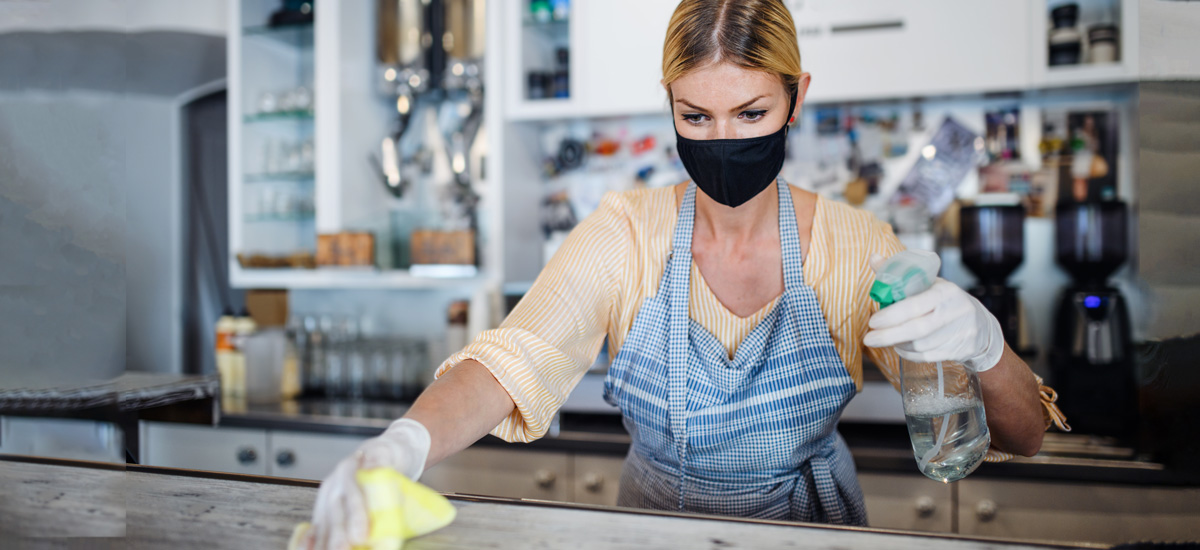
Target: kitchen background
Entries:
(373, 196)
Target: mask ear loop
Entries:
(791, 118)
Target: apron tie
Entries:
(827, 489)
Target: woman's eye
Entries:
(753, 115)
(694, 118)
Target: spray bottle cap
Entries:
(905, 274)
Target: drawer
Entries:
(505, 473)
(1075, 512)
(234, 450)
(597, 479)
(909, 502)
(308, 456)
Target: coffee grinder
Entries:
(1091, 361)
(992, 240)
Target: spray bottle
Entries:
(943, 403)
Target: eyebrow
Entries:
(703, 110)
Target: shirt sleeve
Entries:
(547, 343)
(885, 243)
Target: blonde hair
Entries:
(755, 34)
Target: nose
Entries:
(723, 129)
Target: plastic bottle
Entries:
(943, 407)
(226, 326)
(244, 326)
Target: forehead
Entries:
(725, 83)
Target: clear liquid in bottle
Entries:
(949, 435)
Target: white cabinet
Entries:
(234, 450)
(244, 450)
(619, 54)
(1092, 512)
(504, 472)
(306, 455)
(874, 49)
(615, 62)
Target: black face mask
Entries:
(733, 171)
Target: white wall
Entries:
(90, 181)
(62, 237)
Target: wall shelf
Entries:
(279, 115)
(280, 176)
(347, 277)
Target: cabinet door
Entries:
(619, 55)
(235, 450)
(503, 472)
(878, 48)
(910, 502)
(1077, 512)
(307, 456)
(597, 478)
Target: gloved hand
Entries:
(340, 514)
(943, 323)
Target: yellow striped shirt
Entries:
(596, 283)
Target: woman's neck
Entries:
(745, 223)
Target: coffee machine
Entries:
(992, 240)
(1091, 361)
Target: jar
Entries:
(1065, 41)
(1102, 43)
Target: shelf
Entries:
(300, 35)
(301, 116)
(1087, 75)
(280, 176)
(347, 277)
(280, 218)
(557, 30)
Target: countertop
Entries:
(129, 392)
(875, 447)
(142, 507)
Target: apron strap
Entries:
(789, 239)
(677, 285)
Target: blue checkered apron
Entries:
(749, 437)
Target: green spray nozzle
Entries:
(905, 274)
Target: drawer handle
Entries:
(247, 455)
(926, 507)
(593, 482)
(285, 458)
(985, 510)
(544, 478)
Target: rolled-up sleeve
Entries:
(545, 346)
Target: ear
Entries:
(801, 91)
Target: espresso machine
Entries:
(992, 240)
(1091, 361)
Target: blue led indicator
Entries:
(1091, 302)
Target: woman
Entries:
(736, 308)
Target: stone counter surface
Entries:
(107, 506)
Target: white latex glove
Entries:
(943, 323)
(340, 514)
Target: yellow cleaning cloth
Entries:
(399, 509)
